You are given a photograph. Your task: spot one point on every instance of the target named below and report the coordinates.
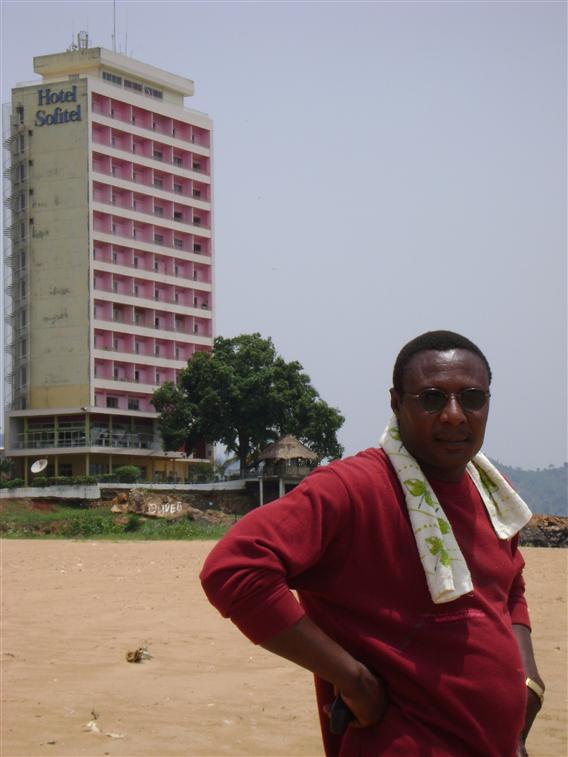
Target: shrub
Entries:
(39, 481)
(59, 480)
(84, 480)
(127, 474)
(13, 483)
(200, 472)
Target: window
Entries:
(137, 376)
(178, 188)
(116, 374)
(177, 161)
(137, 351)
(158, 377)
(132, 85)
(21, 142)
(23, 319)
(133, 404)
(158, 155)
(158, 239)
(65, 469)
(196, 247)
(197, 220)
(195, 302)
(157, 350)
(114, 257)
(23, 375)
(20, 114)
(135, 262)
(195, 328)
(23, 288)
(23, 347)
(115, 344)
(177, 353)
(112, 402)
(178, 244)
(158, 183)
(157, 322)
(196, 193)
(136, 290)
(115, 286)
(156, 294)
(158, 210)
(178, 215)
(151, 92)
(113, 79)
(196, 165)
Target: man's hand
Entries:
(308, 646)
(366, 697)
(523, 636)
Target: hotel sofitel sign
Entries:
(46, 96)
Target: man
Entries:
(410, 582)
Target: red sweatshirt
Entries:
(343, 540)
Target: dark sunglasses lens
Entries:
(472, 399)
(433, 400)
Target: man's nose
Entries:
(453, 412)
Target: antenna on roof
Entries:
(83, 40)
(114, 26)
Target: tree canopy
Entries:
(244, 395)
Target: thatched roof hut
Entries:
(287, 448)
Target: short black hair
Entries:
(440, 341)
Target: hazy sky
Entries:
(381, 169)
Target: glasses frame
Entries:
(448, 396)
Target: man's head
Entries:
(444, 429)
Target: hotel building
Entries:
(108, 262)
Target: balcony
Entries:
(51, 439)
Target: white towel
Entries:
(447, 574)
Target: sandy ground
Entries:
(72, 610)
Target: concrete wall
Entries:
(58, 313)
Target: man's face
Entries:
(444, 442)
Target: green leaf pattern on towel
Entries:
(418, 488)
(436, 547)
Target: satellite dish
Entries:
(39, 465)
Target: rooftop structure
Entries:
(109, 260)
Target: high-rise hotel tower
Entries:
(109, 286)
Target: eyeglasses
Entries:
(435, 400)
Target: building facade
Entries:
(108, 261)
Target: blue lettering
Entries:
(59, 116)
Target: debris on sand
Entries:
(92, 727)
(139, 655)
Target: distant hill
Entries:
(545, 490)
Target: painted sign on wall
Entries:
(47, 96)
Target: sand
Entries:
(72, 610)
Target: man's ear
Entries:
(395, 401)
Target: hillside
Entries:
(544, 491)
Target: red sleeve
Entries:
(517, 603)
(248, 574)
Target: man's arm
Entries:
(308, 646)
(523, 636)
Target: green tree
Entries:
(244, 395)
